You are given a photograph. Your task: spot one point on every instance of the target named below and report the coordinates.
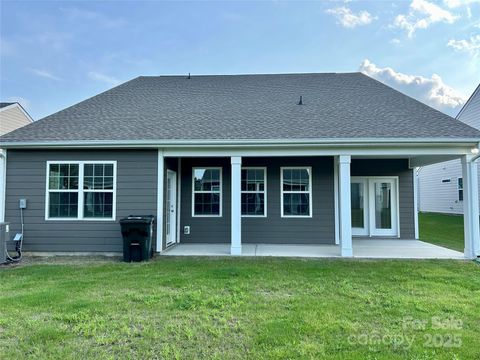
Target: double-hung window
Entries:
(460, 189)
(296, 189)
(207, 192)
(81, 190)
(254, 191)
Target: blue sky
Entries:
(56, 53)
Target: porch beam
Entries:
(470, 207)
(160, 204)
(345, 210)
(236, 211)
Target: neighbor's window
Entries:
(81, 190)
(460, 189)
(207, 192)
(296, 192)
(254, 191)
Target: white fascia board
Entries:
(346, 142)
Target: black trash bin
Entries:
(137, 232)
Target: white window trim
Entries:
(207, 192)
(264, 192)
(296, 192)
(460, 188)
(81, 191)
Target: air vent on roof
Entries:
(300, 101)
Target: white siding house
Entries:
(12, 117)
(440, 186)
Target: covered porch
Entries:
(362, 248)
(332, 225)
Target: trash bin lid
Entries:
(135, 219)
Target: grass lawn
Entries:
(443, 230)
(241, 308)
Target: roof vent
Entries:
(189, 77)
(300, 102)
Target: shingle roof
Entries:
(246, 107)
(4, 104)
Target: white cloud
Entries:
(44, 74)
(471, 45)
(395, 41)
(421, 15)
(348, 19)
(432, 91)
(457, 3)
(110, 80)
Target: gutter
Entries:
(390, 142)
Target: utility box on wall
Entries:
(3, 241)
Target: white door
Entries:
(171, 208)
(374, 204)
(359, 193)
(383, 207)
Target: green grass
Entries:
(443, 230)
(234, 308)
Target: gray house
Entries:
(271, 159)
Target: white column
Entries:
(470, 207)
(415, 201)
(160, 191)
(345, 210)
(236, 224)
(3, 181)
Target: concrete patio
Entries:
(362, 248)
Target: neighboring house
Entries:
(12, 116)
(440, 186)
(276, 159)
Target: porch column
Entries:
(345, 210)
(470, 207)
(160, 191)
(236, 223)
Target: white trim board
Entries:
(235, 143)
(310, 191)
(264, 192)
(220, 192)
(80, 191)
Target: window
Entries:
(254, 191)
(460, 189)
(81, 190)
(296, 191)
(207, 192)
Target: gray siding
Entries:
(204, 229)
(26, 176)
(393, 167)
(273, 229)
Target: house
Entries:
(12, 116)
(441, 185)
(272, 159)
